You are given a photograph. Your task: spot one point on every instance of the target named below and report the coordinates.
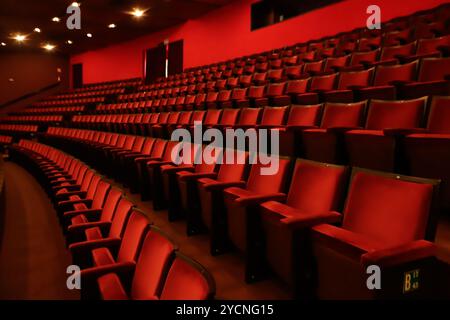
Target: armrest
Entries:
(132, 155)
(175, 169)
(399, 82)
(72, 202)
(79, 228)
(71, 187)
(88, 212)
(223, 185)
(398, 255)
(81, 194)
(299, 128)
(95, 272)
(153, 163)
(58, 182)
(145, 159)
(310, 220)
(196, 176)
(255, 200)
(342, 129)
(87, 246)
(396, 132)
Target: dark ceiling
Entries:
(25, 15)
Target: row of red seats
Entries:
(110, 239)
(82, 94)
(110, 85)
(396, 136)
(18, 128)
(5, 140)
(399, 81)
(68, 102)
(50, 110)
(32, 119)
(382, 222)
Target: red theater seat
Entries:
(326, 143)
(387, 219)
(376, 147)
(315, 196)
(242, 204)
(152, 265)
(428, 153)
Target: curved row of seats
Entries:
(50, 110)
(120, 253)
(291, 222)
(408, 136)
(32, 119)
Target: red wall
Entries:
(225, 33)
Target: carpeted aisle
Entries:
(33, 257)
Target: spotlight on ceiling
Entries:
(20, 37)
(55, 19)
(3, 44)
(137, 12)
(69, 42)
(89, 35)
(48, 46)
(111, 26)
(75, 4)
(37, 30)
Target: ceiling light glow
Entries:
(89, 35)
(37, 30)
(55, 19)
(3, 44)
(49, 47)
(111, 26)
(20, 37)
(137, 12)
(75, 4)
(69, 41)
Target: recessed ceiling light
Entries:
(37, 30)
(138, 12)
(111, 26)
(69, 41)
(75, 4)
(89, 35)
(55, 19)
(49, 47)
(20, 37)
(3, 44)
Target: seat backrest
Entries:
(264, 183)
(100, 194)
(355, 78)
(434, 69)
(369, 56)
(236, 169)
(388, 208)
(343, 114)
(158, 148)
(439, 116)
(273, 116)
(133, 235)
(152, 265)
(187, 280)
(385, 74)
(336, 62)
(212, 116)
(425, 46)
(109, 208)
(392, 51)
(386, 114)
(229, 116)
(120, 216)
(307, 115)
(297, 86)
(138, 144)
(317, 187)
(148, 145)
(249, 116)
(326, 82)
(90, 192)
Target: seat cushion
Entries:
(79, 219)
